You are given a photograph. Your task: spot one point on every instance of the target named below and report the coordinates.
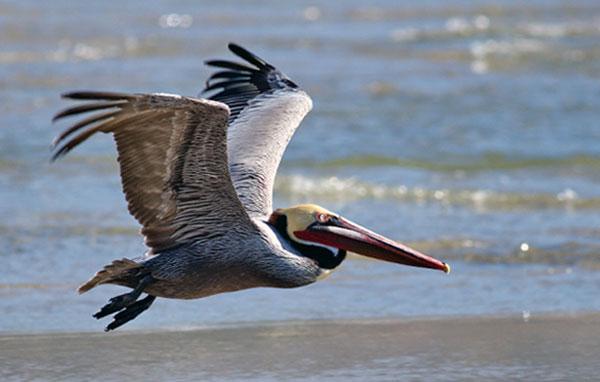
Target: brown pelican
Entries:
(198, 176)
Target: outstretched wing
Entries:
(173, 161)
(266, 108)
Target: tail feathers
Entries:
(110, 272)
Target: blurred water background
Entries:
(469, 129)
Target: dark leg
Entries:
(131, 312)
(122, 301)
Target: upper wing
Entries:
(266, 108)
(173, 162)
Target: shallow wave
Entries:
(349, 189)
(90, 50)
(494, 42)
(561, 29)
(467, 10)
(489, 162)
(563, 256)
(484, 22)
(452, 28)
(487, 26)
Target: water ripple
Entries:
(488, 162)
(349, 189)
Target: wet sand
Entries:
(508, 348)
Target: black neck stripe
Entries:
(324, 258)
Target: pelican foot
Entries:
(130, 312)
(123, 301)
(116, 303)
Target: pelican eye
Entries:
(323, 218)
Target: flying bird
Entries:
(198, 174)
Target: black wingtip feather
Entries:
(95, 118)
(224, 84)
(229, 65)
(249, 57)
(110, 102)
(88, 107)
(59, 154)
(96, 95)
(241, 82)
(228, 74)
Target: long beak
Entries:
(344, 234)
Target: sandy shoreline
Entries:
(544, 348)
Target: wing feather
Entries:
(266, 108)
(172, 153)
(243, 82)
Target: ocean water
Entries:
(468, 129)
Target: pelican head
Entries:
(325, 237)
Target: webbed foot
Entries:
(131, 312)
(128, 305)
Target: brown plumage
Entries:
(156, 136)
(199, 179)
